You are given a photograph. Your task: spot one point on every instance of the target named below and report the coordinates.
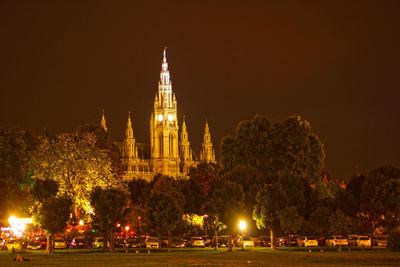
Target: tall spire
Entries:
(207, 152)
(103, 121)
(164, 75)
(129, 130)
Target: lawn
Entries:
(207, 257)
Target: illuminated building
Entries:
(166, 153)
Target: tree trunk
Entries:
(169, 242)
(216, 238)
(105, 241)
(159, 241)
(230, 243)
(340, 243)
(272, 239)
(112, 245)
(290, 244)
(372, 238)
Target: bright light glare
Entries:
(18, 224)
(242, 225)
(127, 228)
(81, 222)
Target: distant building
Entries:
(166, 153)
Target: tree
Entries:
(287, 148)
(271, 199)
(164, 206)
(224, 206)
(77, 165)
(375, 197)
(198, 187)
(319, 220)
(50, 211)
(54, 216)
(339, 223)
(109, 207)
(16, 147)
(290, 222)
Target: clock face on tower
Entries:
(160, 117)
(170, 117)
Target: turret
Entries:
(207, 154)
(186, 153)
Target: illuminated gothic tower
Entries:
(164, 126)
(130, 147)
(207, 154)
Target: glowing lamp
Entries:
(81, 222)
(160, 117)
(242, 225)
(170, 117)
(127, 228)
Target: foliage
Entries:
(338, 223)
(290, 220)
(271, 199)
(16, 147)
(287, 148)
(73, 160)
(199, 186)
(109, 207)
(55, 213)
(393, 241)
(164, 206)
(104, 143)
(319, 220)
(50, 212)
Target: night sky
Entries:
(335, 63)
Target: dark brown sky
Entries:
(336, 63)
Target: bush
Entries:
(394, 241)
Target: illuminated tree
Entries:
(76, 164)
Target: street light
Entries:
(242, 227)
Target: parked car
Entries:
(265, 241)
(152, 242)
(197, 241)
(178, 242)
(336, 240)
(301, 241)
(34, 244)
(79, 242)
(248, 242)
(291, 240)
(223, 241)
(135, 242)
(352, 240)
(363, 241)
(381, 241)
(98, 242)
(11, 244)
(60, 243)
(311, 242)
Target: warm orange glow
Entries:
(127, 228)
(242, 225)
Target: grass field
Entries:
(207, 257)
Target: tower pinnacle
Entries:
(103, 121)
